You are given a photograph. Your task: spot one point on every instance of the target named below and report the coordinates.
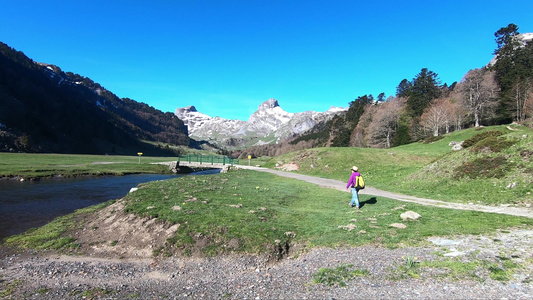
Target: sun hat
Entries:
(355, 168)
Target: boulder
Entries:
(173, 166)
(512, 185)
(410, 215)
(456, 146)
(398, 225)
(225, 169)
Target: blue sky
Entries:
(227, 57)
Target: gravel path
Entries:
(37, 275)
(41, 276)
(340, 185)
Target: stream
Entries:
(28, 204)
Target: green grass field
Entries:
(256, 212)
(32, 166)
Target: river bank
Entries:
(36, 166)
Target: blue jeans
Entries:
(355, 197)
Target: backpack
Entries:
(359, 182)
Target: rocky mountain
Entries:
(268, 125)
(43, 109)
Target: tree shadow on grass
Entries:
(372, 200)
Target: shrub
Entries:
(479, 137)
(494, 144)
(526, 154)
(489, 167)
(433, 139)
(337, 276)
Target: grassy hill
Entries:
(492, 170)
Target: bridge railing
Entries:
(208, 159)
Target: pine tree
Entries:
(514, 73)
(404, 89)
(344, 129)
(424, 88)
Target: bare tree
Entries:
(521, 91)
(479, 93)
(385, 122)
(433, 117)
(359, 135)
(458, 115)
(441, 115)
(528, 106)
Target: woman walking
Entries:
(352, 183)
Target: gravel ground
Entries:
(49, 276)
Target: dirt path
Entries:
(341, 186)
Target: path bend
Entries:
(341, 186)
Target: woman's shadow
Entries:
(372, 200)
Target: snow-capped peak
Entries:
(270, 103)
(268, 118)
(335, 109)
(192, 118)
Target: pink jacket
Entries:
(352, 182)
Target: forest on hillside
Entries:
(43, 109)
(423, 107)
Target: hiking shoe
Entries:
(357, 207)
(351, 205)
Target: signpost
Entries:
(140, 154)
(249, 158)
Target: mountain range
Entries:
(44, 109)
(270, 124)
